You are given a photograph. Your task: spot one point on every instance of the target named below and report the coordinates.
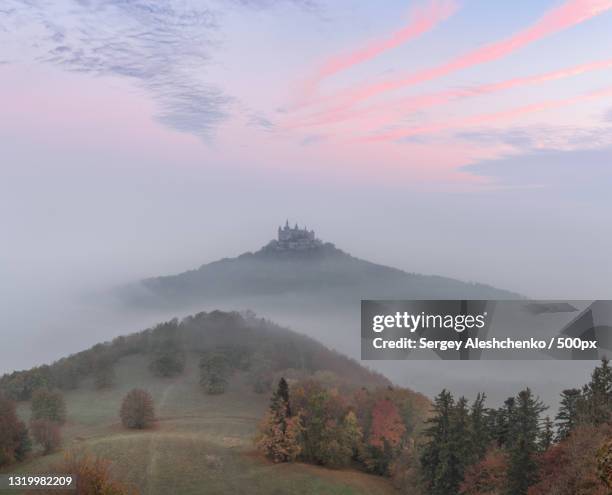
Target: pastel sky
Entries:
(466, 138)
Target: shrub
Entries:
(137, 409)
(47, 434)
(49, 405)
(93, 476)
(14, 439)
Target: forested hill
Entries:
(176, 407)
(324, 274)
(247, 343)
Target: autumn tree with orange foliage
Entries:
(487, 477)
(279, 432)
(93, 476)
(570, 467)
(47, 434)
(385, 436)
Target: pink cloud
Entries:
(569, 14)
(486, 118)
(398, 108)
(423, 19)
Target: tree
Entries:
(104, 373)
(547, 434)
(461, 438)
(567, 417)
(438, 461)
(387, 425)
(66, 375)
(524, 435)
(321, 412)
(280, 404)
(93, 476)
(278, 444)
(480, 428)
(340, 441)
(571, 466)
(597, 405)
(49, 405)
(503, 418)
(260, 375)
(280, 431)
(14, 439)
(24, 442)
(604, 463)
(47, 434)
(137, 409)
(214, 373)
(488, 476)
(168, 362)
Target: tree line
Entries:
(462, 448)
(371, 429)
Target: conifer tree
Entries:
(280, 431)
(480, 429)
(438, 460)
(500, 421)
(597, 406)
(524, 434)
(567, 417)
(547, 434)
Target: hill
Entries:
(199, 440)
(318, 273)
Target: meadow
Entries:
(200, 444)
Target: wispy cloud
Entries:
(569, 14)
(262, 4)
(163, 45)
(260, 121)
(538, 137)
(400, 107)
(476, 120)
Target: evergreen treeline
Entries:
(513, 449)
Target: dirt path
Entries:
(154, 443)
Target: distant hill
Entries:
(199, 440)
(317, 272)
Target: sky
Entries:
(463, 138)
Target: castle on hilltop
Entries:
(296, 239)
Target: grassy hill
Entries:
(200, 443)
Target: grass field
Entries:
(201, 444)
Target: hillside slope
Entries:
(323, 275)
(199, 440)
